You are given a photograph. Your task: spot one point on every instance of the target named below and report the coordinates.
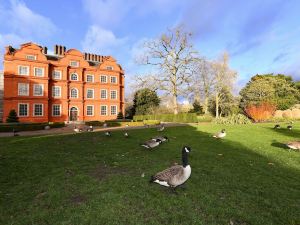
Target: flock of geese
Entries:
(295, 145)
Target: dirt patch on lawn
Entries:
(103, 172)
(78, 199)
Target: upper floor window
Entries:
(103, 94)
(90, 93)
(38, 109)
(31, 57)
(109, 68)
(56, 75)
(23, 89)
(38, 72)
(103, 79)
(23, 109)
(38, 90)
(113, 79)
(113, 94)
(56, 91)
(74, 63)
(23, 70)
(74, 76)
(89, 78)
(74, 93)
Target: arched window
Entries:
(74, 76)
(74, 93)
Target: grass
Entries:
(247, 178)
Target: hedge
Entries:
(181, 117)
(9, 127)
(123, 123)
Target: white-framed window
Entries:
(23, 109)
(74, 63)
(56, 110)
(89, 78)
(109, 68)
(74, 93)
(56, 74)
(113, 79)
(38, 110)
(23, 70)
(38, 71)
(103, 110)
(90, 93)
(103, 78)
(113, 110)
(31, 57)
(90, 110)
(38, 90)
(113, 94)
(74, 76)
(103, 94)
(56, 91)
(23, 89)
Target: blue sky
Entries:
(260, 36)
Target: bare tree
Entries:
(173, 56)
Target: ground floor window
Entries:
(23, 109)
(56, 110)
(90, 110)
(103, 110)
(113, 110)
(38, 109)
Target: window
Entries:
(89, 78)
(56, 75)
(113, 79)
(113, 94)
(56, 91)
(74, 76)
(103, 94)
(31, 57)
(113, 110)
(103, 79)
(23, 109)
(56, 110)
(89, 110)
(90, 93)
(38, 109)
(74, 93)
(38, 90)
(74, 63)
(103, 110)
(23, 70)
(23, 89)
(38, 72)
(109, 68)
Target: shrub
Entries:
(205, 118)
(260, 112)
(233, 119)
(181, 117)
(287, 114)
(27, 126)
(12, 117)
(120, 115)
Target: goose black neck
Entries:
(185, 161)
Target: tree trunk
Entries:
(175, 105)
(217, 105)
(205, 105)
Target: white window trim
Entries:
(76, 75)
(77, 63)
(42, 90)
(116, 110)
(60, 74)
(87, 93)
(34, 56)
(59, 92)
(106, 110)
(27, 109)
(116, 95)
(105, 79)
(52, 111)
(27, 89)
(71, 92)
(92, 79)
(28, 68)
(101, 95)
(116, 79)
(43, 69)
(87, 110)
(33, 109)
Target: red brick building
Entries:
(66, 86)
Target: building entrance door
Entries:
(73, 114)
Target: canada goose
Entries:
(107, 134)
(90, 129)
(289, 127)
(151, 143)
(162, 138)
(277, 126)
(161, 128)
(126, 135)
(77, 130)
(175, 175)
(105, 125)
(221, 134)
(294, 145)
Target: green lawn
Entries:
(247, 178)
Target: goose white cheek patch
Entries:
(186, 150)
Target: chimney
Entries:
(45, 50)
(59, 50)
(56, 49)
(85, 56)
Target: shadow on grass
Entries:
(295, 133)
(230, 183)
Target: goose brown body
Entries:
(294, 145)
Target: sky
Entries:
(261, 36)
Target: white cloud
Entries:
(102, 41)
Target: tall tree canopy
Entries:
(145, 101)
(277, 89)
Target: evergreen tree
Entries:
(145, 100)
(12, 117)
(120, 115)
